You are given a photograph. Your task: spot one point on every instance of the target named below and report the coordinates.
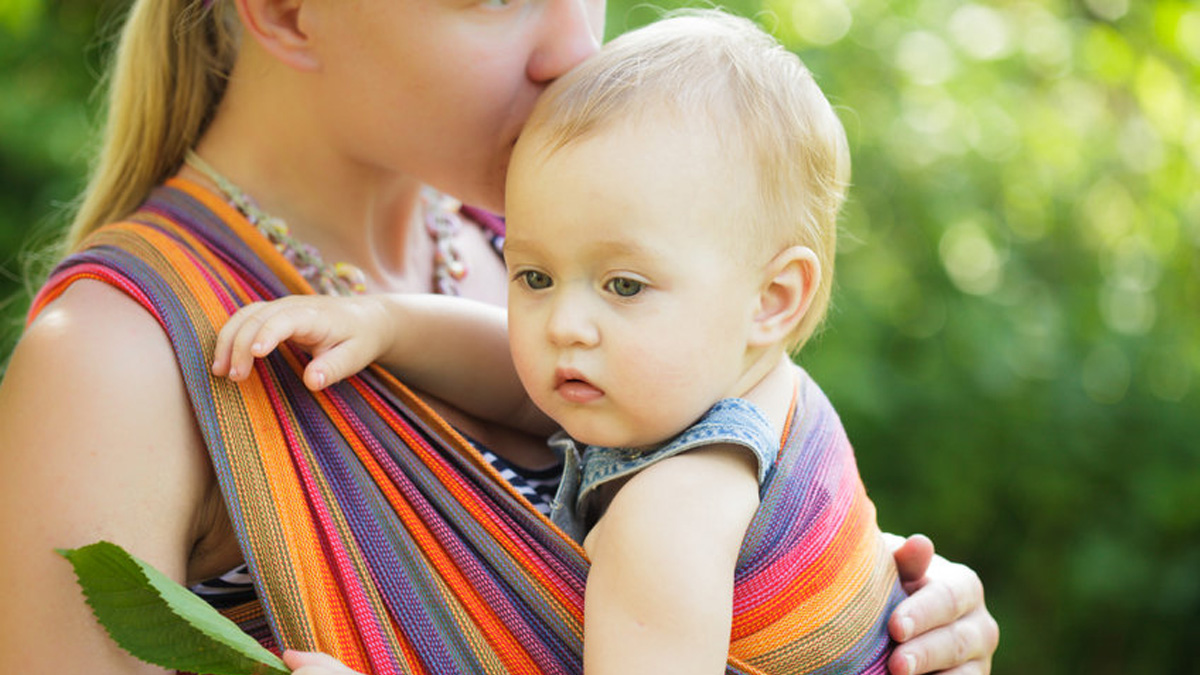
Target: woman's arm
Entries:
(97, 441)
(660, 592)
(452, 348)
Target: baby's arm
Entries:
(660, 591)
(452, 348)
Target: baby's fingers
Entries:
(306, 663)
(224, 362)
(337, 363)
(253, 332)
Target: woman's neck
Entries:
(350, 212)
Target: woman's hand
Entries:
(314, 663)
(344, 335)
(943, 626)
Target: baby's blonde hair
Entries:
(166, 78)
(726, 69)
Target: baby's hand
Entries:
(344, 335)
(312, 663)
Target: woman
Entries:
(332, 115)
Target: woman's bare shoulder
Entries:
(103, 310)
(93, 394)
(97, 441)
(94, 378)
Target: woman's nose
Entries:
(571, 32)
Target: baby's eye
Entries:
(626, 288)
(536, 280)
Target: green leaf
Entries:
(161, 622)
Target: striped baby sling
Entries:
(375, 532)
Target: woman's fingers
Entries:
(944, 624)
(913, 557)
(964, 647)
(950, 591)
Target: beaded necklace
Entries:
(442, 222)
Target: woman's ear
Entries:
(790, 281)
(280, 28)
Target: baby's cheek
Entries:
(667, 401)
(669, 373)
(526, 364)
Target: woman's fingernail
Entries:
(906, 630)
(910, 664)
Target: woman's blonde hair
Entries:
(756, 96)
(164, 82)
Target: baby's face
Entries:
(629, 304)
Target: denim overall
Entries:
(730, 420)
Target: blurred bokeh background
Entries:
(1015, 341)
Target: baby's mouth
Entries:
(574, 388)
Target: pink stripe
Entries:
(794, 559)
(56, 284)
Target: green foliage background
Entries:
(1014, 344)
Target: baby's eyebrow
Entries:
(604, 248)
(627, 249)
(512, 246)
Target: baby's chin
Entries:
(611, 440)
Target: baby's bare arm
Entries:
(452, 348)
(660, 591)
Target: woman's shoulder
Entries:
(94, 375)
(96, 351)
(94, 318)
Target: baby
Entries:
(671, 215)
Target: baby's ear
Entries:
(280, 27)
(790, 281)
